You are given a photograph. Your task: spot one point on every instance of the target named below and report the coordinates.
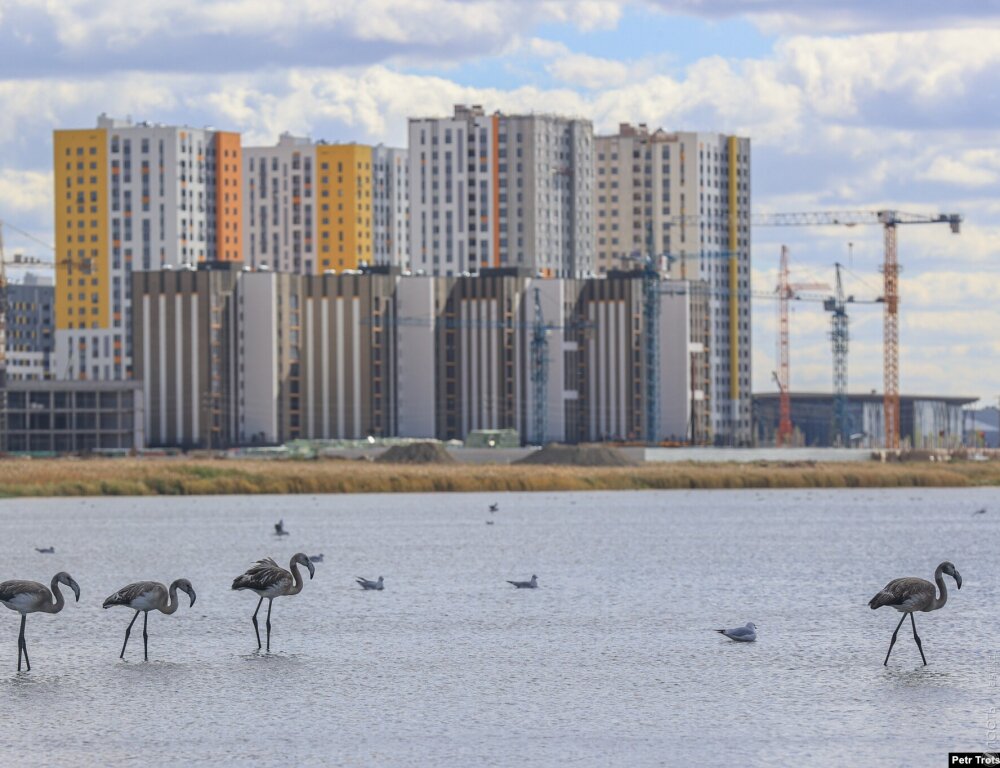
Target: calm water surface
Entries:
(611, 661)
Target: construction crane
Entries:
(539, 368)
(786, 291)
(839, 338)
(889, 220)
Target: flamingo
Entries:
(911, 594)
(267, 579)
(279, 528)
(533, 584)
(31, 597)
(146, 596)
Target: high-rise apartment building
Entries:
(501, 191)
(133, 196)
(311, 207)
(30, 328)
(391, 206)
(684, 199)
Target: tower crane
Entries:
(785, 292)
(889, 220)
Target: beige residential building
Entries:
(682, 200)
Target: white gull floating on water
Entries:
(744, 634)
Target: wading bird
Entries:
(911, 594)
(279, 528)
(146, 596)
(744, 634)
(267, 579)
(31, 597)
(369, 584)
(533, 584)
(495, 506)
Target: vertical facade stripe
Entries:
(734, 284)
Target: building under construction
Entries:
(925, 421)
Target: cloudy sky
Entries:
(850, 105)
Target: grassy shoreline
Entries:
(187, 476)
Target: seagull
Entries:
(533, 584)
(744, 634)
(369, 584)
(495, 506)
(977, 512)
(45, 550)
(316, 558)
(279, 528)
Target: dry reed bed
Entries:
(181, 476)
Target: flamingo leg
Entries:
(893, 642)
(22, 646)
(269, 604)
(916, 637)
(145, 636)
(128, 629)
(254, 620)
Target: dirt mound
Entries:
(578, 456)
(417, 453)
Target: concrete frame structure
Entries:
(74, 416)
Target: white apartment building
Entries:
(391, 206)
(501, 191)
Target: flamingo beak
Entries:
(958, 579)
(312, 568)
(192, 595)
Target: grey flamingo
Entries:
(279, 528)
(911, 594)
(267, 579)
(369, 584)
(31, 597)
(533, 584)
(146, 596)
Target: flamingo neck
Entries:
(60, 600)
(297, 585)
(939, 580)
(171, 605)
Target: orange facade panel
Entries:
(228, 197)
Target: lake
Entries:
(612, 660)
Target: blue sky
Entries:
(850, 105)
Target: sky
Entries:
(850, 105)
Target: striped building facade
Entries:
(241, 357)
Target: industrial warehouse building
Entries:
(924, 421)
